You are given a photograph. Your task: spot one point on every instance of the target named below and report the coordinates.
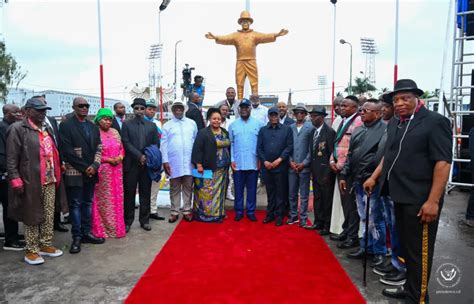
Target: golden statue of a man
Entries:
(245, 41)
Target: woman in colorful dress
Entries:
(107, 207)
(211, 151)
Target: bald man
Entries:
(283, 112)
(364, 154)
(81, 147)
(11, 114)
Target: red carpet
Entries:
(244, 262)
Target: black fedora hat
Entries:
(138, 102)
(405, 85)
(319, 110)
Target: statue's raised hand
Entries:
(282, 32)
(210, 36)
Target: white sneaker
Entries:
(230, 197)
(33, 259)
(51, 251)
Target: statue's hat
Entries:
(245, 15)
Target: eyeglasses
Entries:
(296, 113)
(139, 108)
(84, 105)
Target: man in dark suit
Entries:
(414, 172)
(81, 148)
(119, 118)
(137, 134)
(321, 148)
(61, 200)
(11, 114)
(283, 112)
(274, 146)
(194, 112)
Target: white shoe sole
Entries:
(53, 255)
(380, 273)
(392, 283)
(36, 262)
(13, 249)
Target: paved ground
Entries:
(106, 273)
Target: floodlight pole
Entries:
(101, 67)
(395, 67)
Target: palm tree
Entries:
(361, 86)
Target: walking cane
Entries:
(367, 208)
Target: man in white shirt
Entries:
(231, 102)
(176, 148)
(259, 112)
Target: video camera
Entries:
(187, 78)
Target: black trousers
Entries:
(410, 232)
(11, 226)
(136, 175)
(323, 192)
(286, 191)
(351, 216)
(274, 183)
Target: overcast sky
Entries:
(57, 43)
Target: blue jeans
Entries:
(245, 179)
(389, 211)
(80, 206)
(299, 183)
(377, 235)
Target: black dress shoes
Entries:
(173, 218)
(60, 227)
(252, 217)
(338, 237)
(268, 220)
(127, 228)
(146, 227)
(156, 216)
(358, 254)
(394, 278)
(323, 232)
(238, 217)
(349, 243)
(279, 221)
(384, 268)
(396, 293)
(75, 246)
(90, 239)
(377, 260)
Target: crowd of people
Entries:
(391, 153)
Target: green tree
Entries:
(361, 86)
(428, 94)
(11, 73)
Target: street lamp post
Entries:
(342, 41)
(333, 58)
(176, 66)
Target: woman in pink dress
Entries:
(107, 207)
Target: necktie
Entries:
(315, 140)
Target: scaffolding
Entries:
(462, 87)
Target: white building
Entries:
(60, 102)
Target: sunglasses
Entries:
(84, 105)
(297, 112)
(367, 111)
(139, 108)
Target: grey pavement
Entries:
(107, 273)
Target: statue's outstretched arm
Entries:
(282, 32)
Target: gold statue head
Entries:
(245, 15)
